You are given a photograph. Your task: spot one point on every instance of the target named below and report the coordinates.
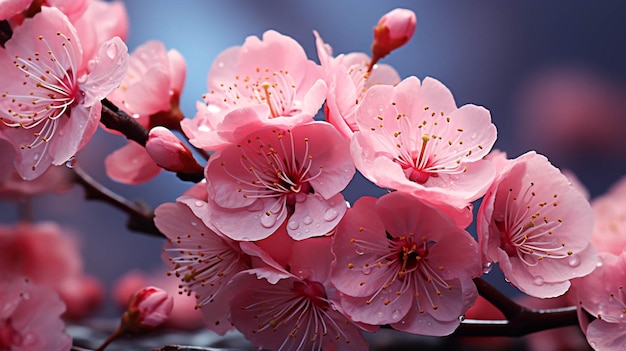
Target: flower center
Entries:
(314, 291)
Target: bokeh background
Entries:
(552, 73)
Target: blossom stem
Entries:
(140, 216)
(5, 32)
(119, 331)
(114, 118)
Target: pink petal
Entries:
(131, 164)
(106, 71)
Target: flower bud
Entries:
(393, 30)
(169, 152)
(148, 308)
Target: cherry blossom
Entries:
(276, 175)
(49, 255)
(169, 152)
(291, 306)
(609, 230)
(602, 295)
(49, 106)
(404, 263)
(270, 76)
(413, 138)
(348, 79)
(148, 308)
(150, 92)
(537, 226)
(30, 317)
(204, 260)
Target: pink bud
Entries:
(169, 152)
(148, 308)
(393, 30)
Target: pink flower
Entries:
(58, 179)
(271, 77)
(404, 263)
(609, 230)
(150, 92)
(413, 138)
(292, 306)
(348, 79)
(10, 8)
(204, 260)
(149, 307)
(276, 175)
(537, 226)
(30, 319)
(602, 295)
(393, 30)
(52, 108)
(49, 256)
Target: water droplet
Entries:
(199, 203)
(112, 51)
(268, 221)
(307, 220)
(487, 267)
(359, 251)
(25, 296)
(194, 223)
(366, 270)
(380, 315)
(538, 280)
(36, 157)
(461, 318)
(220, 64)
(396, 314)
(473, 136)
(330, 214)
(71, 163)
(306, 230)
(293, 225)
(574, 260)
(245, 238)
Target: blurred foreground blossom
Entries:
(30, 317)
(148, 308)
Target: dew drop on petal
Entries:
(245, 238)
(36, 157)
(25, 296)
(199, 203)
(293, 225)
(574, 260)
(330, 214)
(71, 163)
(366, 270)
(396, 315)
(111, 51)
(268, 221)
(359, 251)
(307, 220)
(487, 267)
(194, 223)
(538, 280)
(461, 318)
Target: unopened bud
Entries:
(169, 152)
(148, 308)
(393, 30)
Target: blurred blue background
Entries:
(553, 75)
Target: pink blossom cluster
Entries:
(266, 242)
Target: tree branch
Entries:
(140, 216)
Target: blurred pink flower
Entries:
(271, 78)
(413, 138)
(150, 92)
(49, 106)
(148, 308)
(393, 30)
(204, 260)
(276, 175)
(348, 79)
(184, 315)
(94, 29)
(10, 8)
(30, 317)
(609, 230)
(602, 295)
(15, 10)
(48, 255)
(537, 226)
(404, 263)
(57, 179)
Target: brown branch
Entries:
(114, 118)
(5, 32)
(140, 216)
